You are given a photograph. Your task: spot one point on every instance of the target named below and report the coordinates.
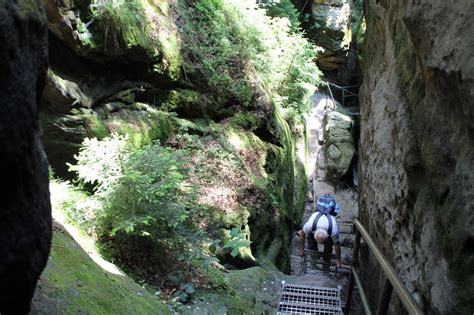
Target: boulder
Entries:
(331, 31)
(338, 143)
(25, 215)
(74, 108)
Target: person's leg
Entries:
(311, 242)
(328, 250)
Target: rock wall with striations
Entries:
(417, 148)
(25, 210)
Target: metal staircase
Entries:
(301, 299)
(304, 299)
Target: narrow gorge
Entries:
(187, 141)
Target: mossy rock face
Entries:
(193, 104)
(248, 291)
(137, 31)
(64, 134)
(188, 103)
(61, 94)
(73, 283)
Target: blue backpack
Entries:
(327, 205)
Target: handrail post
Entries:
(351, 278)
(385, 298)
(389, 271)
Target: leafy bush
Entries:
(218, 47)
(143, 194)
(150, 197)
(236, 50)
(285, 9)
(142, 190)
(236, 241)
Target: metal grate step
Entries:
(315, 262)
(301, 299)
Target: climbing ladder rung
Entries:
(315, 261)
(303, 308)
(315, 301)
(309, 290)
(310, 297)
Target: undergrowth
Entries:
(171, 199)
(126, 24)
(123, 23)
(239, 53)
(284, 9)
(144, 208)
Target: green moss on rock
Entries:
(248, 291)
(95, 127)
(142, 126)
(73, 283)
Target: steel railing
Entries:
(392, 280)
(345, 93)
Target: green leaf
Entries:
(212, 248)
(189, 289)
(235, 232)
(235, 252)
(183, 296)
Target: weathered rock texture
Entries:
(338, 143)
(417, 148)
(25, 212)
(331, 31)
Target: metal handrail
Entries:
(363, 297)
(393, 281)
(344, 89)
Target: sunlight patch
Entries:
(60, 193)
(223, 198)
(236, 141)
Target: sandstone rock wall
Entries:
(417, 148)
(25, 211)
(331, 31)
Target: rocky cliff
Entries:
(182, 73)
(25, 214)
(417, 148)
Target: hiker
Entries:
(322, 228)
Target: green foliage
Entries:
(246, 120)
(184, 292)
(139, 23)
(141, 190)
(236, 241)
(149, 198)
(95, 127)
(122, 21)
(141, 198)
(219, 44)
(239, 53)
(85, 36)
(285, 9)
(100, 162)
